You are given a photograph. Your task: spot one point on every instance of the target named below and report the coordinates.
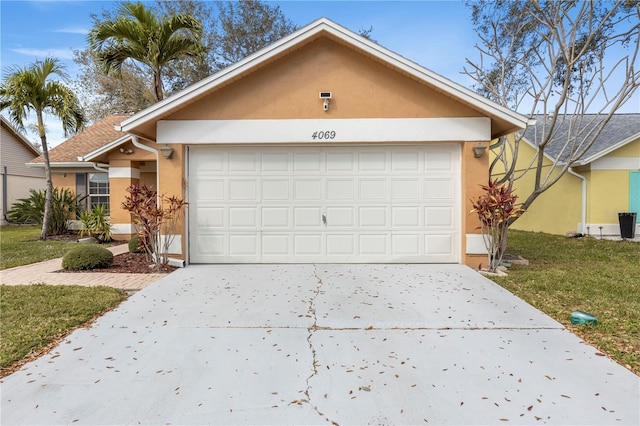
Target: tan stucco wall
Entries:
(64, 181)
(288, 89)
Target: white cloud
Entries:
(42, 53)
(72, 30)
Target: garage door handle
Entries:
(324, 219)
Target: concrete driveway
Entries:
(322, 344)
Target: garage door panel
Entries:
(405, 189)
(439, 217)
(405, 161)
(439, 189)
(275, 162)
(340, 189)
(373, 161)
(405, 244)
(210, 189)
(276, 245)
(307, 189)
(243, 190)
(243, 244)
(408, 216)
(275, 217)
(439, 244)
(374, 216)
(243, 162)
(307, 244)
(373, 244)
(340, 162)
(341, 245)
(304, 161)
(210, 217)
(275, 189)
(324, 204)
(340, 217)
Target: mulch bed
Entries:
(129, 263)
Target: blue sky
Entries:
(436, 34)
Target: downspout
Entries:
(583, 201)
(5, 200)
(99, 167)
(136, 142)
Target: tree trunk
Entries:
(47, 172)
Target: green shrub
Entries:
(87, 256)
(95, 223)
(31, 210)
(135, 246)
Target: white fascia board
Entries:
(105, 148)
(350, 37)
(67, 165)
(326, 131)
(608, 150)
(616, 163)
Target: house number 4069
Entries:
(327, 134)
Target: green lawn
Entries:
(599, 277)
(31, 317)
(19, 245)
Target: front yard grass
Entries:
(35, 316)
(19, 245)
(600, 277)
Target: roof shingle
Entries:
(90, 139)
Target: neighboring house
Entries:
(323, 147)
(17, 178)
(605, 182)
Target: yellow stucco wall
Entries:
(607, 194)
(555, 211)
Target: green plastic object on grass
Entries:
(580, 318)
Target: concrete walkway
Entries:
(45, 273)
(323, 344)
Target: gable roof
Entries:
(18, 136)
(504, 121)
(619, 131)
(89, 140)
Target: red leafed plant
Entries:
(156, 218)
(494, 209)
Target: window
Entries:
(99, 189)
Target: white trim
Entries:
(475, 244)
(616, 163)
(608, 150)
(608, 229)
(123, 229)
(343, 130)
(124, 172)
(176, 245)
(105, 148)
(161, 108)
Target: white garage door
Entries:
(350, 204)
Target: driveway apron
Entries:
(322, 344)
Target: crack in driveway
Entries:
(313, 328)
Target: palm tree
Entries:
(30, 90)
(138, 34)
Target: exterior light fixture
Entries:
(478, 150)
(325, 96)
(128, 151)
(166, 151)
